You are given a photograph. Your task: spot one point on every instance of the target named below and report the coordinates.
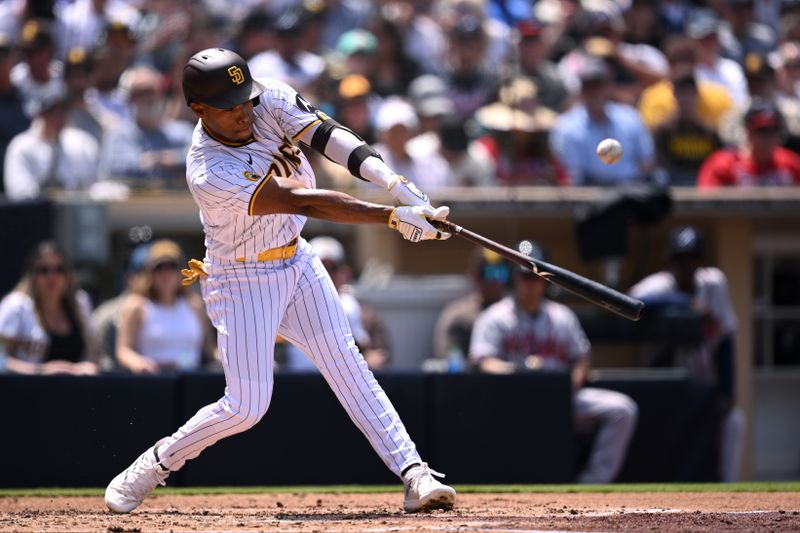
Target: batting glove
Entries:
(413, 222)
(406, 193)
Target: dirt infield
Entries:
(707, 511)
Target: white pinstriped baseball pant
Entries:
(249, 305)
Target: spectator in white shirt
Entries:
(38, 75)
(50, 154)
(162, 325)
(395, 125)
(711, 66)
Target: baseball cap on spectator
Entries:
(757, 68)
(354, 86)
(702, 26)
(467, 28)
(489, 266)
(163, 251)
(77, 62)
(256, 21)
(35, 36)
(428, 93)
(355, 42)
(529, 29)
(313, 10)
(328, 249)
(686, 241)
(116, 32)
(395, 112)
(762, 115)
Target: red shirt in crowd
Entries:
(731, 167)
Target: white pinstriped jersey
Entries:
(224, 178)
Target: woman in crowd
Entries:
(45, 325)
(162, 325)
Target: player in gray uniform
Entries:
(261, 279)
(704, 289)
(528, 331)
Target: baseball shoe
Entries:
(127, 491)
(423, 492)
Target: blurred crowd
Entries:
(451, 92)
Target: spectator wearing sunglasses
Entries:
(162, 326)
(45, 324)
(760, 161)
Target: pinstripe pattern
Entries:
(222, 179)
(315, 322)
(250, 303)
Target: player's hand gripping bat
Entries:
(596, 293)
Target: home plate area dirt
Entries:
(706, 511)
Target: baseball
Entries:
(609, 151)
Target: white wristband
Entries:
(376, 171)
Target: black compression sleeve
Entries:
(322, 134)
(358, 156)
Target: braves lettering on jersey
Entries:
(251, 302)
(507, 332)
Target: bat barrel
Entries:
(595, 292)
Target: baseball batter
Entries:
(528, 331)
(261, 279)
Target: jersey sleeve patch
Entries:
(225, 186)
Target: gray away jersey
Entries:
(507, 332)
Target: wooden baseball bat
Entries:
(597, 293)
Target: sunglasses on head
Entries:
(45, 270)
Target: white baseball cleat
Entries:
(423, 492)
(127, 491)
